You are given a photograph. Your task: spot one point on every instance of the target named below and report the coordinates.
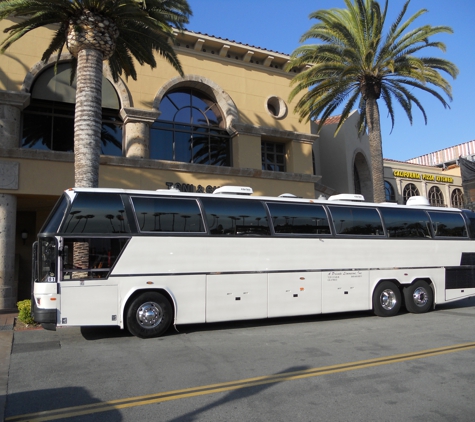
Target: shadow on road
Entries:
(99, 333)
(49, 400)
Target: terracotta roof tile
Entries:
(332, 120)
(236, 42)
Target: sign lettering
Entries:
(424, 176)
(187, 187)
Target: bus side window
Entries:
(180, 215)
(98, 214)
(357, 221)
(298, 218)
(90, 257)
(470, 219)
(448, 224)
(233, 217)
(406, 222)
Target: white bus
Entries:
(144, 260)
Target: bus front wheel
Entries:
(418, 297)
(386, 299)
(149, 315)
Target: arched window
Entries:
(456, 198)
(436, 198)
(409, 190)
(48, 122)
(362, 182)
(389, 192)
(356, 179)
(190, 129)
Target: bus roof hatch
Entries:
(234, 190)
(347, 197)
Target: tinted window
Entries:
(405, 222)
(356, 221)
(168, 215)
(448, 224)
(299, 218)
(470, 217)
(90, 258)
(235, 217)
(96, 213)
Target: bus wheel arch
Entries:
(419, 296)
(149, 313)
(387, 298)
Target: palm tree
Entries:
(93, 31)
(357, 63)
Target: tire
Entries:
(386, 299)
(149, 315)
(418, 297)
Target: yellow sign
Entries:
(426, 177)
(444, 179)
(407, 174)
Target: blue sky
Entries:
(278, 25)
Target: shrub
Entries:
(24, 312)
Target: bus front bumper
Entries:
(46, 317)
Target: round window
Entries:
(276, 107)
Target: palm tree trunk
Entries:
(376, 149)
(87, 135)
(88, 118)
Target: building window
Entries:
(356, 179)
(48, 122)
(436, 198)
(389, 192)
(276, 107)
(273, 156)
(190, 130)
(409, 190)
(457, 198)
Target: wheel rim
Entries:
(149, 315)
(420, 296)
(388, 299)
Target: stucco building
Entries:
(344, 166)
(226, 122)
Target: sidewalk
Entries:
(7, 320)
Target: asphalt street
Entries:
(338, 367)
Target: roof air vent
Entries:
(347, 197)
(418, 201)
(233, 190)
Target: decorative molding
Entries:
(268, 61)
(142, 163)
(224, 101)
(120, 86)
(248, 56)
(242, 128)
(137, 115)
(16, 99)
(199, 44)
(224, 50)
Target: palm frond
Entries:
(353, 51)
(145, 27)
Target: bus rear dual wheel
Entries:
(387, 298)
(149, 315)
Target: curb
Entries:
(6, 341)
